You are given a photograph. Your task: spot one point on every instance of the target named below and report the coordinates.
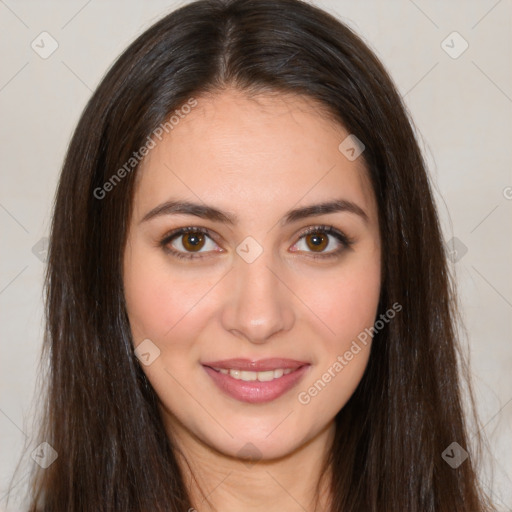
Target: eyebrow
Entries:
(210, 213)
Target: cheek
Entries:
(345, 302)
(158, 300)
(342, 355)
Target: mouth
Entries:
(256, 381)
(249, 376)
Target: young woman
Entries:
(248, 301)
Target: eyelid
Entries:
(342, 238)
(176, 233)
(188, 229)
(330, 230)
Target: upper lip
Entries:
(256, 366)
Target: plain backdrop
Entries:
(458, 88)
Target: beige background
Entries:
(462, 108)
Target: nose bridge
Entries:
(258, 305)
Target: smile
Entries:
(256, 381)
(249, 376)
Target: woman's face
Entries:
(249, 337)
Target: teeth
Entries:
(249, 376)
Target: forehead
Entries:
(253, 154)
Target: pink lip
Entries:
(256, 366)
(255, 391)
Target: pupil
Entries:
(193, 239)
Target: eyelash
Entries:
(345, 241)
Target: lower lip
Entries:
(256, 392)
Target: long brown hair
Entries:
(101, 416)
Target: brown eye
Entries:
(317, 242)
(193, 241)
(189, 242)
(322, 242)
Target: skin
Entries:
(256, 158)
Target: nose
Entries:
(259, 303)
